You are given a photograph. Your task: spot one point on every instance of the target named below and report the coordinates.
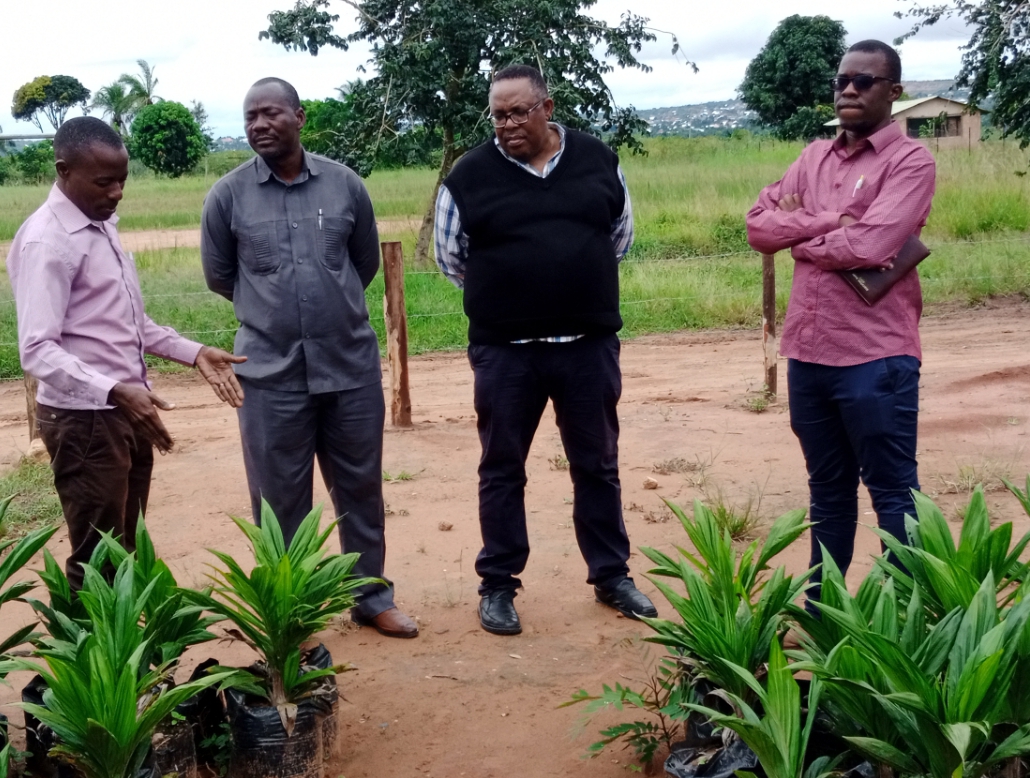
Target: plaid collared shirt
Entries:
(452, 243)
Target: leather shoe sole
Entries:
(390, 623)
(504, 623)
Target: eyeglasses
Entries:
(861, 82)
(517, 117)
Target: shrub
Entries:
(167, 139)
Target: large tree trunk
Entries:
(425, 233)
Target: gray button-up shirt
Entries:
(295, 260)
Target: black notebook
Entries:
(873, 284)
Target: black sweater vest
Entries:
(540, 257)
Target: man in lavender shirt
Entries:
(83, 334)
(853, 369)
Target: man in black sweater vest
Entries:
(532, 226)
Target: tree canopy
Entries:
(790, 77)
(994, 62)
(167, 139)
(116, 102)
(433, 62)
(50, 97)
(141, 88)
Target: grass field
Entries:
(690, 266)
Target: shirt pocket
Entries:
(332, 242)
(257, 247)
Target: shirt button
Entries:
(306, 335)
(304, 298)
(295, 225)
(300, 261)
(289, 189)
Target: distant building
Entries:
(940, 122)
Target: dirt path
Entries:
(460, 702)
(152, 240)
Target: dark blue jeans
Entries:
(856, 422)
(512, 385)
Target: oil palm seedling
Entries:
(949, 575)
(290, 594)
(734, 606)
(101, 700)
(945, 697)
(14, 555)
(777, 736)
(170, 621)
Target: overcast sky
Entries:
(208, 50)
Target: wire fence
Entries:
(629, 262)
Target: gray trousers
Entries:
(283, 432)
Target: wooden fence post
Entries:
(396, 318)
(769, 321)
(30, 405)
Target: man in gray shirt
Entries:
(291, 239)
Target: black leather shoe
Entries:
(626, 598)
(497, 612)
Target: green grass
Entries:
(689, 268)
(35, 503)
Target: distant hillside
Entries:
(719, 117)
(699, 119)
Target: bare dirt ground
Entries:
(152, 240)
(460, 702)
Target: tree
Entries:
(167, 139)
(141, 87)
(199, 114)
(48, 96)
(994, 62)
(340, 130)
(793, 71)
(115, 101)
(433, 63)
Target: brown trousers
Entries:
(102, 472)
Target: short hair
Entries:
(889, 54)
(76, 135)
(531, 74)
(292, 98)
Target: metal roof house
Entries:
(940, 122)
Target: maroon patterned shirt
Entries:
(887, 184)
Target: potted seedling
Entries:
(732, 608)
(14, 555)
(101, 699)
(290, 594)
(171, 624)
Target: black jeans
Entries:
(102, 470)
(512, 385)
(856, 422)
(283, 433)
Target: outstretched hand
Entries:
(140, 406)
(216, 367)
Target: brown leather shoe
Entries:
(391, 623)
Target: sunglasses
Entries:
(862, 82)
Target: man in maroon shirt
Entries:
(853, 369)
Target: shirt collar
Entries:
(68, 213)
(879, 140)
(310, 166)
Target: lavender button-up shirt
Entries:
(81, 325)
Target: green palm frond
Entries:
(290, 594)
